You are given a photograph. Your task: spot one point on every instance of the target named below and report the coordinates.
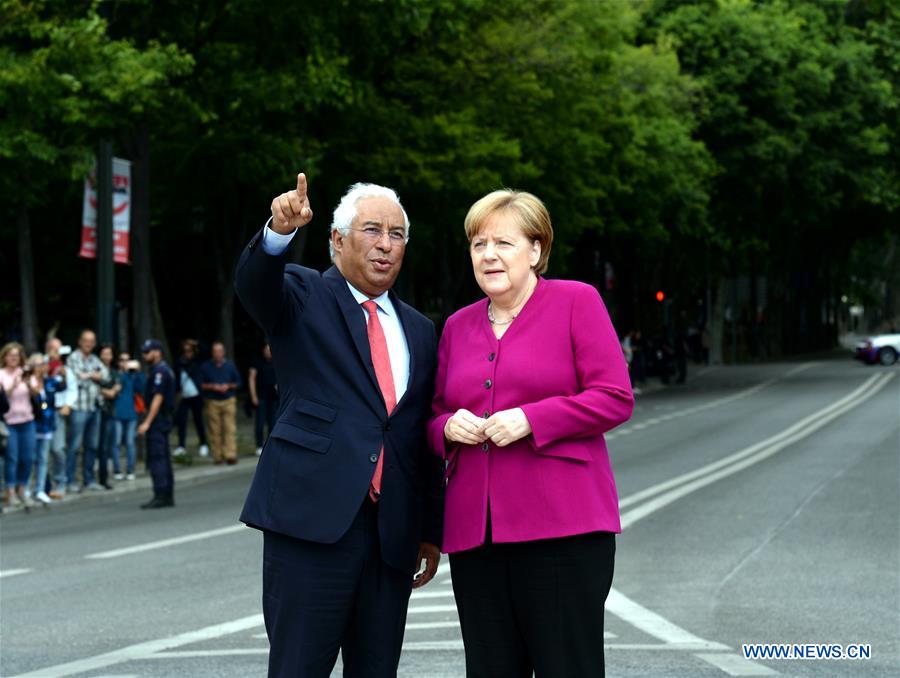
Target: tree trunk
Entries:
(717, 323)
(145, 312)
(225, 282)
(26, 280)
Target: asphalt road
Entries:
(760, 504)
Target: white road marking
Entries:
(653, 624)
(426, 609)
(736, 665)
(145, 650)
(718, 402)
(231, 652)
(432, 625)
(163, 543)
(13, 573)
(418, 595)
(432, 645)
(706, 475)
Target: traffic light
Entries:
(660, 296)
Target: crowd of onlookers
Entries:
(70, 416)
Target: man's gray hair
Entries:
(345, 212)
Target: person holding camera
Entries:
(131, 382)
(20, 385)
(44, 422)
(66, 394)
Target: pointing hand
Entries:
(291, 210)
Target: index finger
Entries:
(301, 185)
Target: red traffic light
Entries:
(660, 296)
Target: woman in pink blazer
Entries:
(529, 379)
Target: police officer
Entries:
(159, 394)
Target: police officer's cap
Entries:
(151, 345)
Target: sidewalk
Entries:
(201, 468)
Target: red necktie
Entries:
(381, 359)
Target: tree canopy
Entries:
(688, 145)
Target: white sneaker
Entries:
(178, 450)
(43, 497)
(258, 451)
(95, 487)
(119, 476)
(204, 451)
(130, 476)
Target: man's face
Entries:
(87, 341)
(371, 263)
(218, 352)
(152, 356)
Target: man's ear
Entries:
(337, 240)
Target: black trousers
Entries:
(534, 606)
(321, 598)
(195, 407)
(159, 463)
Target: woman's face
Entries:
(106, 355)
(13, 359)
(503, 257)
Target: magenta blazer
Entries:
(561, 362)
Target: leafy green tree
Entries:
(795, 117)
(64, 84)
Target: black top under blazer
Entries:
(315, 469)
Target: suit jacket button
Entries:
(373, 458)
(490, 356)
(485, 447)
(486, 414)
(488, 383)
(387, 426)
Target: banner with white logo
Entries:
(121, 213)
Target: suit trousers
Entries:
(221, 418)
(534, 606)
(322, 598)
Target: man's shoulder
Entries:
(411, 312)
(303, 274)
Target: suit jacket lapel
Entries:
(356, 324)
(407, 325)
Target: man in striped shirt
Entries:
(88, 370)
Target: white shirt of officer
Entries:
(274, 243)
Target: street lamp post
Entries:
(105, 270)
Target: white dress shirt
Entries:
(275, 243)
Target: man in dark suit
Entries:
(346, 493)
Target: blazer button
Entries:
(488, 383)
(485, 447)
(387, 426)
(486, 414)
(373, 458)
(490, 356)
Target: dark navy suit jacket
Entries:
(315, 469)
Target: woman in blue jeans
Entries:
(20, 384)
(131, 380)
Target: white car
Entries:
(879, 348)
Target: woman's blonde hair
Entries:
(8, 348)
(530, 212)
